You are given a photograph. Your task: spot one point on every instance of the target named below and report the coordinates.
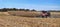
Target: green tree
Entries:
(27, 10)
(33, 10)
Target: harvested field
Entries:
(32, 14)
(18, 21)
(15, 21)
(4, 13)
(55, 14)
(24, 13)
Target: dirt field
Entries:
(17, 21)
(33, 14)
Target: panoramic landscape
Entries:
(14, 18)
(29, 13)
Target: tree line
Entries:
(14, 9)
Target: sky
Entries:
(31, 4)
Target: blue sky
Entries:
(31, 4)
